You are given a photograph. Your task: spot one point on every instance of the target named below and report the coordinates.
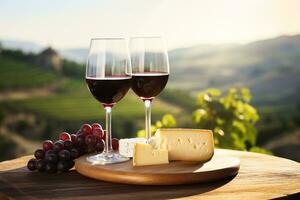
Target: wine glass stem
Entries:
(148, 118)
(108, 146)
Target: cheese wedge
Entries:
(126, 146)
(186, 144)
(145, 154)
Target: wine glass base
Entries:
(107, 158)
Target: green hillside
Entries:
(17, 75)
(81, 106)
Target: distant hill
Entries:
(31, 76)
(21, 45)
(79, 55)
(271, 68)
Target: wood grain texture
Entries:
(260, 177)
(174, 173)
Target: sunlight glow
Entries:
(66, 24)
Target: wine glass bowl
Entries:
(108, 77)
(108, 71)
(148, 85)
(109, 90)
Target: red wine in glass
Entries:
(109, 90)
(148, 85)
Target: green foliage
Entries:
(18, 55)
(8, 145)
(167, 121)
(73, 69)
(230, 116)
(297, 115)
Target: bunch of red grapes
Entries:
(60, 155)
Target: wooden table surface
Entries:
(260, 177)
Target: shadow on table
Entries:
(295, 196)
(21, 183)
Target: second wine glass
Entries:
(150, 71)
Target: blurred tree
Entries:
(18, 55)
(8, 148)
(230, 116)
(73, 69)
(297, 115)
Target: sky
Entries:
(71, 23)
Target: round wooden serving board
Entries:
(175, 173)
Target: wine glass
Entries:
(108, 77)
(150, 71)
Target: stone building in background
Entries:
(49, 59)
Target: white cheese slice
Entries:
(145, 154)
(186, 144)
(126, 146)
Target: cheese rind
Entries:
(145, 154)
(126, 146)
(186, 144)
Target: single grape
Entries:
(63, 166)
(96, 125)
(82, 150)
(64, 136)
(39, 154)
(91, 149)
(50, 152)
(74, 139)
(41, 165)
(31, 165)
(74, 153)
(86, 129)
(98, 133)
(58, 146)
(100, 145)
(80, 140)
(51, 167)
(64, 155)
(79, 132)
(68, 145)
(115, 143)
(51, 157)
(90, 140)
(47, 145)
(104, 135)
